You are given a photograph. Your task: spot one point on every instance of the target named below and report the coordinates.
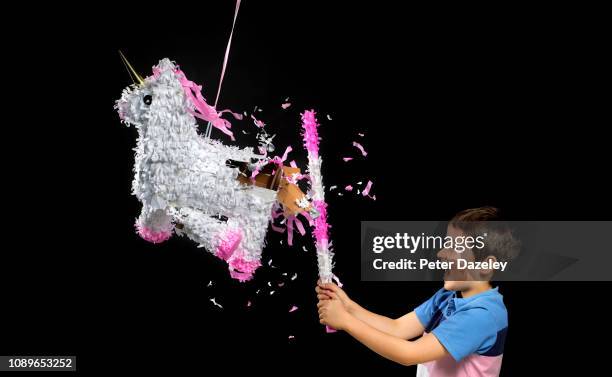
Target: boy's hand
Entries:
(333, 313)
(330, 291)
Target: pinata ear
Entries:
(133, 74)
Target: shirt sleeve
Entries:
(467, 332)
(426, 310)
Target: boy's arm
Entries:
(405, 327)
(405, 352)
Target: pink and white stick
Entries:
(317, 193)
(311, 143)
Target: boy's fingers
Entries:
(318, 289)
(332, 287)
(323, 297)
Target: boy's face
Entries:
(458, 279)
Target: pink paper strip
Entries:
(360, 147)
(366, 190)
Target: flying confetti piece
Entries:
(270, 262)
(333, 188)
(291, 337)
(360, 134)
(304, 248)
(249, 303)
(210, 283)
(284, 274)
(258, 123)
(257, 291)
(286, 105)
(360, 182)
(360, 147)
(215, 302)
(347, 159)
(294, 276)
(366, 190)
(293, 308)
(269, 284)
(271, 293)
(329, 117)
(281, 284)
(340, 194)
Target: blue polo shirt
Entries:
(476, 325)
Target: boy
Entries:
(462, 327)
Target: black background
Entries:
(459, 110)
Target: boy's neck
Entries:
(476, 289)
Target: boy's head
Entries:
(491, 241)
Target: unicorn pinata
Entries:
(220, 196)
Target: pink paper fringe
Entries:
(228, 242)
(242, 269)
(311, 136)
(152, 236)
(202, 109)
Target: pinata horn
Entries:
(131, 71)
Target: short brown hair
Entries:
(501, 242)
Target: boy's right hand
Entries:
(327, 291)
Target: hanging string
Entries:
(225, 59)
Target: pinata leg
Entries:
(154, 225)
(213, 233)
(226, 238)
(254, 228)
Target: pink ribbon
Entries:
(202, 109)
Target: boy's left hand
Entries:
(333, 313)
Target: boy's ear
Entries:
(489, 271)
